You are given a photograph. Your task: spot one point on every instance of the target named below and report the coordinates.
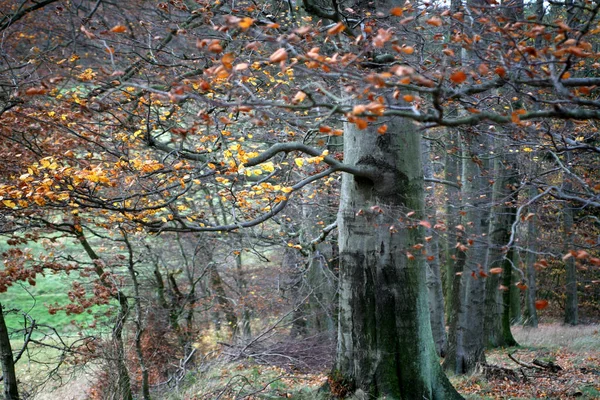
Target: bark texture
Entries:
(385, 345)
(466, 349)
(11, 390)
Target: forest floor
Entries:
(576, 350)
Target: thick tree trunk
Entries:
(11, 390)
(385, 345)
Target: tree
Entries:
(233, 105)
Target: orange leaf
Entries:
(495, 271)
(279, 55)
(35, 91)
(500, 71)
(246, 23)
(396, 12)
(382, 129)
(483, 69)
(458, 77)
(409, 256)
(324, 129)
(361, 123)
(215, 47)
(119, 29)
(435, 21)
(408, 97)
(426, 224)
(541, 304)
(337, 28)
(408, 50)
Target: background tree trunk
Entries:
(11, 390)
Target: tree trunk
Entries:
(452, 174)
(498, 303)
(434, 278)
(225, 304)
(11, 390)
(385, 345)
(467, 350)
(571, 304)
(531, 318)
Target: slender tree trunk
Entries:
(11, 390)
(385, 345)
(531, 318)
(452, 173)
(498, 302)
(571, 304)
(138, 321)
(434, 278)
(224, 303)
(123, 378)
(245, 325)
(468, 349)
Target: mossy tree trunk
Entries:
(385, 345)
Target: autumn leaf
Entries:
(299, 97)
(496, 271)
(118, 29)
(278, 56)
(541, 304)
(396, 12)
(500, 71)
(337, 28)
(426, 224)
(458, 77)
(408, 50)
(361, 123)
(434, 21)
(245, 23)
(215, 47)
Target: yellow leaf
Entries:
(268, 167)
(299, 161)
(9, 204)
(287, 189)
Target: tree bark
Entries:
(11, 389)
(467, 348)
(385, 345)
(571, 303)
(531, 318)
(434, 278)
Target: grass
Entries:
(551, 336)
(575, 349)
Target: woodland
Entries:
(310, 199)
